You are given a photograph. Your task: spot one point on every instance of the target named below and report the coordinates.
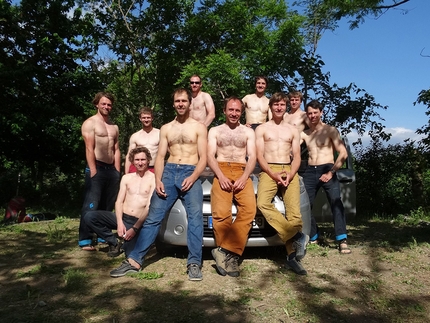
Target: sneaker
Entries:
(300, 246)
(115, 251)
(232, 265)
(219, 257)
(123, 270)
(194, 272)
(295, 266)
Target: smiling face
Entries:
(233, 110)
(260, 86)
(140, 161)
(181, 103)
(278, 109)
(314, 115)
(146, 119)
(104, 106)
(295, 102)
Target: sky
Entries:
(383, 56)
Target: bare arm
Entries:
(159, 161)
(295, 147)
(210, 109)
(88, 133)
(340, 148)
(119, 204)
(117, 153)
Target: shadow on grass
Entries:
(44, 281)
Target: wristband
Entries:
(135, 229)
(332, 171)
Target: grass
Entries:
(384, 280)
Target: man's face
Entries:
(314, 115)
(181, 103)
(140, 161)
(233, 111)
(295, 102)
(104, 106)
(146, 119)
(260, 86)
(278, 108)
(195, 84)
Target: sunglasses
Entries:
(194, 82)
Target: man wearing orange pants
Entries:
(232, 157)
(278, 153)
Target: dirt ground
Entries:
(45, 277)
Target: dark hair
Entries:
(294, 94)
(233, 98)
(261, 77)
(138, 150)
(145, 110)
(100, 95)
(278, 96)
(182, 90)
(315, 104)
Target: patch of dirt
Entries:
(45, 277)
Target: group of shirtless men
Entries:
(151, 185)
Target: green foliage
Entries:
(392, 180)
(75, 280)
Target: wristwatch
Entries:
(135, 229)
(332, 171)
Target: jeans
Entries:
(289, 225)
(172, 178)
(100, 194)
(229, 235)
(332, 189)
(103, 222)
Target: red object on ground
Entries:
(15, 210)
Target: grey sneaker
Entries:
(295, 266)
(115, 251)
(232, 265)
(219, 257)
(194, 272)
(124, 269)
(300, 246)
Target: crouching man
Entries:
(278, 153)
(228, 146)
(131, 206)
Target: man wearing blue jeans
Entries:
(322, 141)
(103, 164)
(186, 141)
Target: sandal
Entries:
(343, 248)
(88, 247)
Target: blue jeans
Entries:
(172, 178)
(100, 194)
(332, 189)
(103, 222)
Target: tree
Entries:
(44, 85)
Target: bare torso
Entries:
(182, 141)
(320, 144)
(200, 106)
(231, 143)
(149, 140)
(297, 119)
(138, 192)
(105, 136)
(256, 108)
(278, 140)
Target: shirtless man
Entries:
(257, 104)
(322, 141)
(228, 146)
(131, 206)
(296, 117)
(148, 137)
(102, 173)
(186, 141)
(277, 142)
(202, 106)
